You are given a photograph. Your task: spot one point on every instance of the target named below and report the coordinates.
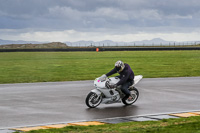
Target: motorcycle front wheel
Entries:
(134, 95)
(93, 100)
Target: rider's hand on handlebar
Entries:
(103, 77)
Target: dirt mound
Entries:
(24, 46)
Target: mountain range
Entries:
(4, 42)
(155, 41)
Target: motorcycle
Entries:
(104, 94)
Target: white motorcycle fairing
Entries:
(102, 93)
(101, 89)
(137, 79)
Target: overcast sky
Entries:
(97, 20)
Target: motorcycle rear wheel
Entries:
(134, 94)
(93, 100)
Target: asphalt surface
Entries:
(61, 102)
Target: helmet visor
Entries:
(118, 68)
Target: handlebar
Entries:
(107, 84)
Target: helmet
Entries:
(119, 65)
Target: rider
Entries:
(126, 77)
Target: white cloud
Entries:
(151, 14)
(176, 16)
(117, 20)
(64, 12)
(72, 35)
(111, 13)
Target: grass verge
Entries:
(179, 125)
(21, 67)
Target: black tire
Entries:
(92, 101)
(134, 94)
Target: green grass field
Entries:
(180, 125)
(21, 67)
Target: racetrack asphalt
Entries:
(29, 104)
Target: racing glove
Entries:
(103, 77)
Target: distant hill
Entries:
(153, 42)
(45, 45)
(3, 42)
